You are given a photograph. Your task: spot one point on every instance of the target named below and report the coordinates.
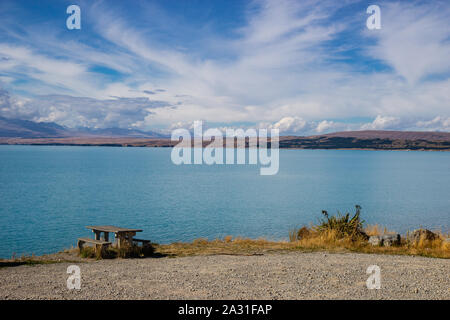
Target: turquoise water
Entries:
(49, 193)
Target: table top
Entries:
(112, 229)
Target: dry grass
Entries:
(341, 232)
(329, 240)
(237, 246)
(312, 241)
(67, 255)
(114, 252)
(377, 230)
(374, 230)
(316, 241)
(24, 261)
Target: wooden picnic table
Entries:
(122, 235)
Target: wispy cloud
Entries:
(414, 39)
(301, 66)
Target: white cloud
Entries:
(82, 111)
(414, 39)
(299, 126)
(381, 123)
(437, 124)
(290, 124)
(54, 73)
(326, 126)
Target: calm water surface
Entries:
(48, 194)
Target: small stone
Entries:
(418, 234)
(375, 240)
(391, 240)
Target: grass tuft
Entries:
(113, 252)
(344, 233)
(342, 226)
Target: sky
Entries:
(304, 67)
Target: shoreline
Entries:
(359, 140)
(155, 146)
(242, 247)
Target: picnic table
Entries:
(124, 236)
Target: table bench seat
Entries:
(102, 244)
(144, 242)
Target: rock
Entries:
(426, 234)
(375, 240)
(391, 240)
(386, 240)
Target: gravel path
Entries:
(292, 275)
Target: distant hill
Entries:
(29, 129)
(114, 133)
(16, 128)
(14, 131)
(395, 135)
(371, 139)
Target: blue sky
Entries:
(305, 67)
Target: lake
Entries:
(49, 194)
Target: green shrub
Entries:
(87, 252)
(343, 225)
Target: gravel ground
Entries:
(292, 275)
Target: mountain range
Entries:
(17, 128)
(15, 131)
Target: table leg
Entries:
(130, 238)
(120, 240)
(125, 238)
